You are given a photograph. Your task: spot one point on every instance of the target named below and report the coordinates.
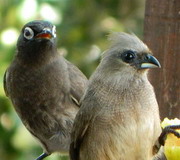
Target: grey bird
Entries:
(119, 116)
(44, 88)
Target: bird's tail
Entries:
(160, 155)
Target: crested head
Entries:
(125, 62)
(121, 40)
(127, 50)
(36, 38)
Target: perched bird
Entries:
(44, 88)
(119, 116)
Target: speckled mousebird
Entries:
(44, 88)
(119, 115)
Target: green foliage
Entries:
(82, 29)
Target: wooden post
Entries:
(162, 35)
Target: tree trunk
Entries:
(162, 35)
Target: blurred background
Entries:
(82, 30)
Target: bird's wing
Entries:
(78, 82)
(78, 133)
(4, 82)
(84, 119)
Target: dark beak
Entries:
(150, 62)
(45, 34)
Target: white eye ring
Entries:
(28, 33)
(54, 31)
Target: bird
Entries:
(44, 87)
(119, 115)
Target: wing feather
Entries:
(78, 82)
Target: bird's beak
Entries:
(150, 62)
(45, 34)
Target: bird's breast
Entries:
(32, 88)
(126, 125)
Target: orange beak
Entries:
(45, 34)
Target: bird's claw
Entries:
(42, 156)
(167, 130)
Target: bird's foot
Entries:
(167, 130)
(42, 156)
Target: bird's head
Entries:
(129, 52)
(36, 36)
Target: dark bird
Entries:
(119, 116)
(44, 88)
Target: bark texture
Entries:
(162, 35)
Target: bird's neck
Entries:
(37, 57)
(122, 80)
(113, 90)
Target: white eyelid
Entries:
(54, 31)
(28, 33)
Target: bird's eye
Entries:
(28, 33)
(54, 31)
(128, 56)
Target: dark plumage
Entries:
(119, 116)
(44, 88)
